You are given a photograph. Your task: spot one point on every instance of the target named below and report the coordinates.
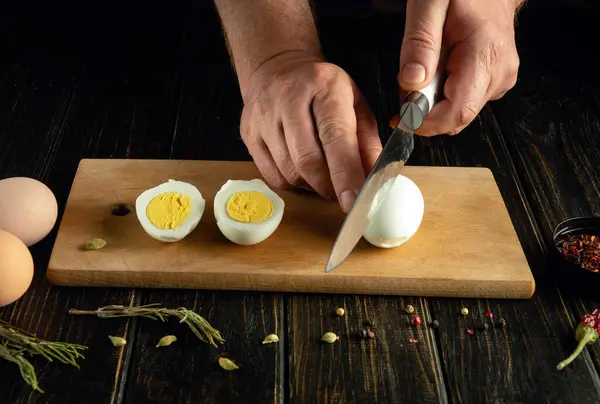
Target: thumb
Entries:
(422, 42)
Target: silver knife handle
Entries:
(421, 102)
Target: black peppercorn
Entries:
(483, 326)
(434, 324)
(364, 333)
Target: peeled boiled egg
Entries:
(16, 268)
(247, 211)
(28, 209)
(170, 211)
(397, 217)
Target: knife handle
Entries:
(421, 102)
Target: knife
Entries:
(388, 166)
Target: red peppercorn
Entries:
(417, 320)
(489, 314)
(470, 331)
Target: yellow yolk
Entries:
(168, 210)
(249, 207)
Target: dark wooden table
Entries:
(154, 81)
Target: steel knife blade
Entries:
(388, 166)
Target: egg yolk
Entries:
(249, 207)
(168, 210)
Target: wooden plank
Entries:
(551, 123)
(466, 245)
(35, 143)
(399, 364)
(188, 370)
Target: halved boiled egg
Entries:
(397, 217)
(247, 211)
(170, 211)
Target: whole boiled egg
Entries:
(16, 268)
(170, 211)
(28, 209)
(397, 217)
(247, 211)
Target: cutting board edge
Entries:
(520, 289)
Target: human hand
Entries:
(306, 124)
(482, 64)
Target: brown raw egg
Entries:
(28, 209)
(16, 268)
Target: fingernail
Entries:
(347, 199)
(413, 73)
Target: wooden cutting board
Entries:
(466, 245)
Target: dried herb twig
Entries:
(199, 326)
(15, 343)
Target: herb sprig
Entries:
(199, 326)
(16, 343)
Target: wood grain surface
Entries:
(158, 84)
(466, 245)
(553, 133)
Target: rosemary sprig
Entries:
(199, 326)
(61, 351)
(26, 368)
(15, 343)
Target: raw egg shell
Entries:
(28, 209)
(253, 197)
(395, 219)
(16, 268)
(170, 211)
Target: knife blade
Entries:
(388, 166)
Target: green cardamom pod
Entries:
(329, 337)
(117, 341)
(227, 364)
(95, 244)
(166, 340)
(269, 339)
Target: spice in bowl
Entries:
(582, 250)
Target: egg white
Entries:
(197, 205)
(393, 220)
(246, 233)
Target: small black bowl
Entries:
(576, 276)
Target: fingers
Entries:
(266, 165)
(275, 141)
(271, 161)
(369, 142)
(466, 91)
(422, 42)
(305, 149)
(336, 124)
